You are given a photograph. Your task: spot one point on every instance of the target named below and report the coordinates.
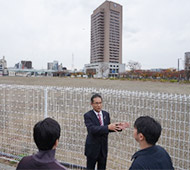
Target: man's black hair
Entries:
(46, 133)
(150, 128)
(95, 96)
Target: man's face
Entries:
(97, 104)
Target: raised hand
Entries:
(122, 125)
(114, 127)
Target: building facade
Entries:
(3, 67)
(24, 65)
(187, 61)
(3, 63)
(187, 65)
(104, 69)
(106, 33)
(53, 65)
(106, 40)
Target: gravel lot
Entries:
(99, 83)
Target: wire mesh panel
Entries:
(67, 105)
(22, 106)
(171, 110)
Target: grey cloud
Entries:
(155, 32)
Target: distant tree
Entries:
(90, 72)
(187, 73)
(102, 68)
(133, 65)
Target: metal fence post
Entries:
(45, 102)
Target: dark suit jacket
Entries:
(97, 137)
(41, 160)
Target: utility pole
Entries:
(72, 61)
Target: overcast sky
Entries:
(155, 32)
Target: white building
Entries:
(53, 65)
(104, 70)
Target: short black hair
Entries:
(150, 128)
(95, 96)
(45, 133)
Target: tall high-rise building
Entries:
(106, 41)
(106, 33)
(187, 65)
(187, 61)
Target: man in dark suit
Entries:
(98, 126)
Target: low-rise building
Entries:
(3, 67)
(104, 69)
(24, 65)
(53, 65)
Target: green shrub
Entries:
(173, 81)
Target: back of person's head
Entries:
(45, 133)
(150, 128)
(95, 96)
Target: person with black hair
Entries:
(46, 135)
(98, 126)
(151, 156)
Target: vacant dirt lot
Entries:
(20, 112)
(99, 83)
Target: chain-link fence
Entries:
(22, 106)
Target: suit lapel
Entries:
(104, 118)
(95, 118)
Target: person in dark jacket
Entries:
(46, 134)
(151, 156)
(98, 126)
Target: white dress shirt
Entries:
(101, 115)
